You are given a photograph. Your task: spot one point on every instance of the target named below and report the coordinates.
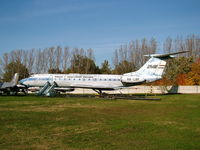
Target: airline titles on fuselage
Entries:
(79, 77)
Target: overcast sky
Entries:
(102, 25)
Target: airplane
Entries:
(11, 88)
(151, 71)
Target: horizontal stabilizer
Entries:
(166, 56)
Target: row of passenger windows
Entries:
(85, 79)
(75, 79)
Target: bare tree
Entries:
(168, 45)
(6, 60)
(193, 45)
(152, 46)
(51, 57)
(90, 56)
(65, 58)
(116, 58)
(134, 52)
(58, 54)
(31, 59)
(1, 68)
(38, 61)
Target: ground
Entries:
(30, 122)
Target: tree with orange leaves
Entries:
(181, 79)
(175, 70)
(193, 77)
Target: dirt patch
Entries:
(18, 103)
(166, 122)
(52, 108)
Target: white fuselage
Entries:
(75, 80)
(93, 81)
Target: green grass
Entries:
(30, 122)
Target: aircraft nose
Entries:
(23, 81)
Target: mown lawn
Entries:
(30, 122)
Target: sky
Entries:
(102, 25)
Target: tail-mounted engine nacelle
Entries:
(132, 80)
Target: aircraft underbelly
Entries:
(91, 84)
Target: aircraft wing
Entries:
(12, 83)
(6, 85)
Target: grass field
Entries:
(29, 122)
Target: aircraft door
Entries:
(51, 78)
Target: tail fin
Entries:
(15, 79)
(155, 66)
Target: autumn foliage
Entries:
(181, 79)
(189, 77)
(193, 77)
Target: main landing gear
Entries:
(98, 91)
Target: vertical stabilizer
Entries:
(154, 66)
(15, 79)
